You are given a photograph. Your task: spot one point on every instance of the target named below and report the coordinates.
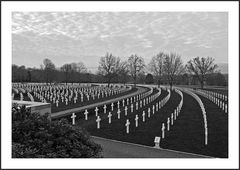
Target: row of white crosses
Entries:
(216, 98)
(98, 119)
(21, 96)
(202, 109)
(158, 105)
(170, 120)
(20, 91)
(22, 88)
(175, 114)
(215, 94)
(154, 108)
(55, 96)
(30, 96)
(67, 93)
(165, 100)
(40, 97)
(15, 90)
(134, 98)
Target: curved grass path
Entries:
(187, 134)
(217, 129)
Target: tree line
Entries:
(164, 68)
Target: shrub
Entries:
(36, 136)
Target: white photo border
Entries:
(91, 6)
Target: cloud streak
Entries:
(75, 34)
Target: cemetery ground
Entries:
(187, 133)
(186, 130)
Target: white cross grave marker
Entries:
(127, 126)
(137, 106)
(109, 117)
(86, 114)
(136, 120)
(163, 130)
(98, 122)
(168, 124)
(118, 112)
(143, 116)
(57, 103)
(118, 104)
(105, 108)
(175, 114)
(126, 110)
(131, 107)
(112, 106)
(73, 118)
(149, 112)
(96, 111)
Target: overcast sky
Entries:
(85, 36)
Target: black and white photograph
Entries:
(129, 80)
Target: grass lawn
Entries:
(218, 128)
(187, 133)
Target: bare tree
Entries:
(75, 70)
(172, 67)
(109, 66)
(67, 69)
(49, 69)
(156, 66)
(123, 72)
(81, 68)
(136, 66)
(201, 67)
